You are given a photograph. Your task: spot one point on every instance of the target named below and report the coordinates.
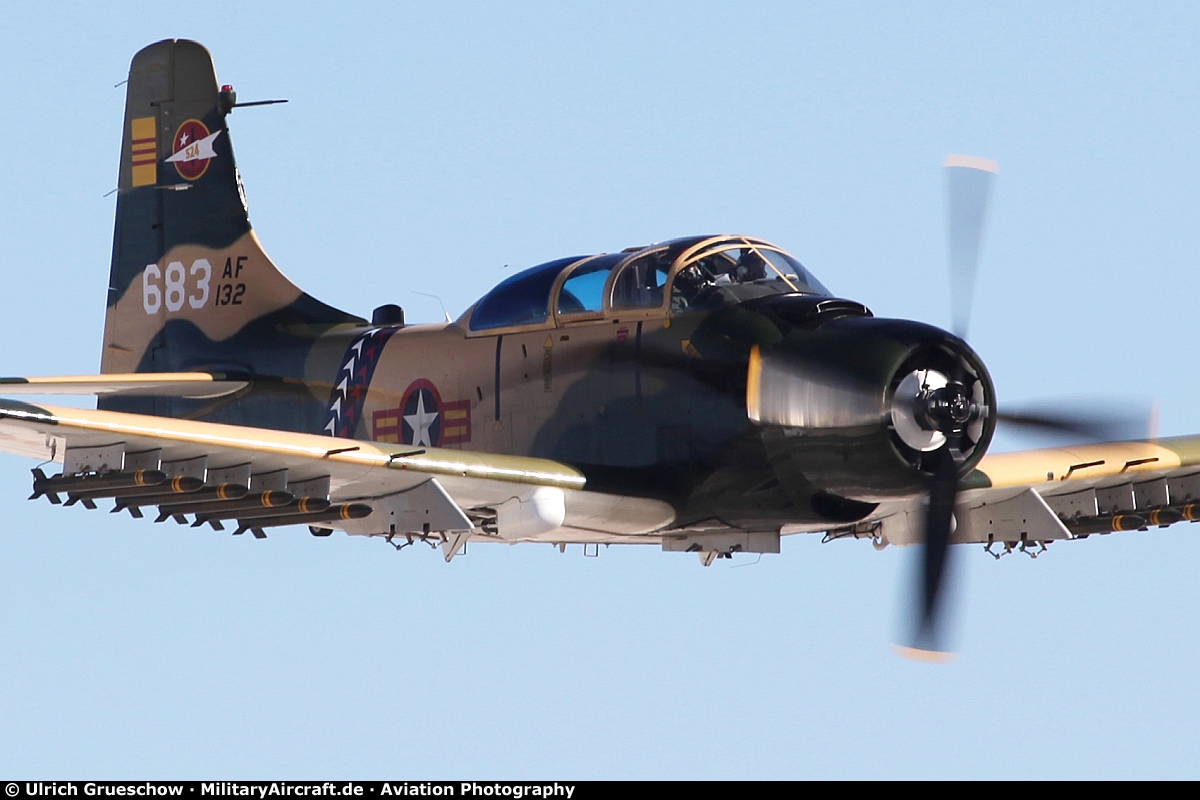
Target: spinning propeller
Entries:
(868, 410)
(947, 408)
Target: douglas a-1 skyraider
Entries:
(704, 394)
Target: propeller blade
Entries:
(1092, 425)
(927, 642)
(942, 493)
(969, 180)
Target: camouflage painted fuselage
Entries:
(647, 400)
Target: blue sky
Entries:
(424, 148)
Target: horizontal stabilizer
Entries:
(144, 384)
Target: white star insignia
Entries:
(421, 422)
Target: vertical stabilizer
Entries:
(190, 281)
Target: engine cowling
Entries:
(864, 406)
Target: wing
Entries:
(1030, 497)
(199, 385)
(1017, 499)
(203, 472)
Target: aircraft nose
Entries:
(887, 394)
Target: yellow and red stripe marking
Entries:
(456, 422)
(144, 151)
(386, 425)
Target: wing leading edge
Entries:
(432, 493)
(199, 385)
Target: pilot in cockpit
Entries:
(704, 282)
(750, 267)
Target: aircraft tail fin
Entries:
(190, 284)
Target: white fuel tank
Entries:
(537, 512)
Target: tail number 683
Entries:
(175, 286)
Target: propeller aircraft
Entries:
(705, 394)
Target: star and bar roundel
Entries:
(423, 418)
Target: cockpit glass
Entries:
(583, 290)
(523, 299)
(640, 283)
(737, 270)
(790, 266)
(698, 272)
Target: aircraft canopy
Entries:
(698, 272)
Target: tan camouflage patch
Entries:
(220, 291)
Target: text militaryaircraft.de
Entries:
(705, 394)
